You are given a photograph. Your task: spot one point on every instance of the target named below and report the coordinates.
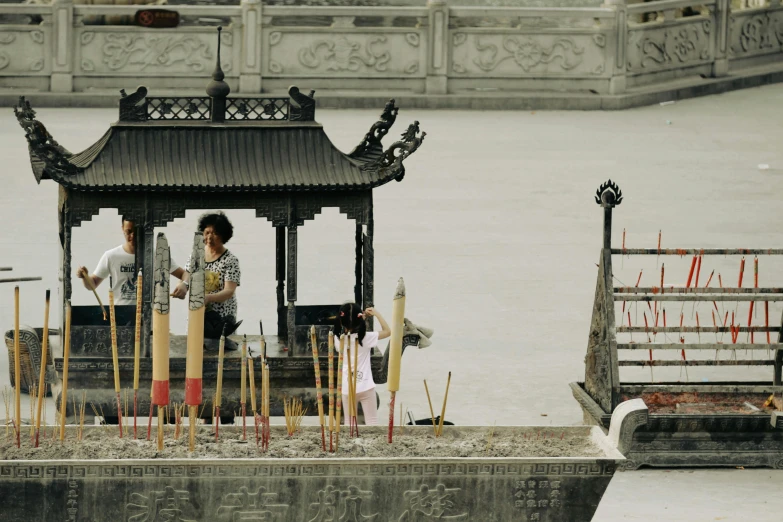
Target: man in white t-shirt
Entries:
(120, 264)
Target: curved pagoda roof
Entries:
(196, 144)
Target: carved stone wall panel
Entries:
(755, 33)
(670, 46)
(513, 55)
(152, 52)
(25, 52)
(345, 54)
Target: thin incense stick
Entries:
(66, 357)
(443, 411)
(339, 408)
(115, 353)
(319, 395)
(331, 390)
(250, 374)
(219, 391)
(243, 384)
(18, 373)
(137, 351)
(42, 374)
(432, 413)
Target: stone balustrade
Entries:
(429, 49)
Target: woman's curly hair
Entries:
(219, 223)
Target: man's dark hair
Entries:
(219, 223)
(126, 218)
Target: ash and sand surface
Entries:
(496, 233)
(104, 443)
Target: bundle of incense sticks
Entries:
(114, 354)
(317, 368)
(137, 351)
(438, 428)
(339, 406)
(294, 411)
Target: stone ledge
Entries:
(649, 95)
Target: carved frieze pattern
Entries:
(672, 46)
(345, 54)
(152, 53)
(206, 470)
(21, 44)
(523, 55)
(756, 34)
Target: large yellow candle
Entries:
(66, 357)
(194, 363)
(395, 344)
(160, 323)
(137, 344)
(42, 375)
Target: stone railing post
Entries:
(720, 67)
(617, 82)
(250, 69)
(438, 49)
(62, 65)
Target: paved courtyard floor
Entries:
(496, 233)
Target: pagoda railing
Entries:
(199, 108)
(433, 48)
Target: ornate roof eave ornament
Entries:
(390, 162)
(371, 147)
(302, 106)
(42, 145)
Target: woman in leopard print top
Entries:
(222, 275)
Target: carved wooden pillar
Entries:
(368, 261)
(291, 253)
(145, 252)
(65, 261)
(357, 289)
(280, 262)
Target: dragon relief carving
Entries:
(371, 144)
(121, 51)
(528, 53)
(399, 150)
(41, 142)
(342, 54)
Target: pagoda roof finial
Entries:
(218, 88)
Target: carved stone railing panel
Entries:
(25, 50)
(345, 52)
(511, 54)
(670, 45)
(121, 51)
(754, 32)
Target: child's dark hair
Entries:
(219, 223)
(350, 318)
